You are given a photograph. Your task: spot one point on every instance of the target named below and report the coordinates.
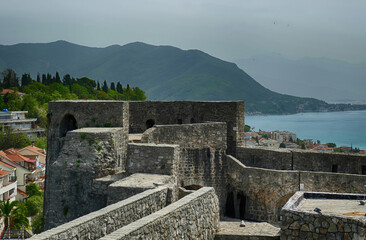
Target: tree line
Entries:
(47, 87)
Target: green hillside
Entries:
(164, 72)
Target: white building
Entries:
(16, 121)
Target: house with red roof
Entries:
(5, 91)
(28, 168)
(31, 151)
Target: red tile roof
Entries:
(5, 91)
(3, 173)
(8, 165)
(22, 193)
(3, 154)
(14, 156)
(40, 150)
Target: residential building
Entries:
(27, 169)
(8, 188)
(269, 143)
(284, 136)
(31, 151)
(16, 121)
(5, 91)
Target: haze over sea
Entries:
(342, 128)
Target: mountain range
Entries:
(163, 72)
(327, 79)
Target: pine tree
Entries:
(113, 86)
(105, 86)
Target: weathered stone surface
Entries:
(106, 220)
(195, 216)
(325, 225)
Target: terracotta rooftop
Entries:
(5, 91)
(8, 165)
(3, 173)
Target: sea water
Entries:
(342, 128)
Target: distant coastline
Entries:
(352, 107)
(345, 128)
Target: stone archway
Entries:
(68, 123)
(150, 123)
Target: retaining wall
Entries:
(195, 216)
(104, 221)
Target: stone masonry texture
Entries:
(87, 154)
(192, 217)
(104, 221)
(299, 224)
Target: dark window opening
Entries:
(68, 123)
(150, 123)
(363, 169)
(334, 168)
(180, 121)
(192, 120)
(230, 209)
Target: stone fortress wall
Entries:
(194, 144)
(106, 220)
(144, 114)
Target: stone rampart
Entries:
(200, 135)
(87, 154)
(202, 147)
(153, 158)
(104, 221)
(332, 182)
(279, 159)
(64, 117)
(146, 114)
(291, 159)
(195, 216)
(305, 224)
(258, 194)
(325, 162)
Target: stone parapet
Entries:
(307, 224)
(195, 216)
(106, 220)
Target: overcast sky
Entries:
(228, 29)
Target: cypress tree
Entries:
(113, 87)
(38, 78)
(58, 80)
(105, 86)
(119, 88)
(98, 86)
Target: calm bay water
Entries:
(343, 128)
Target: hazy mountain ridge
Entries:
(164, 72)
(326, 79)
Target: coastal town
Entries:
(286, 139)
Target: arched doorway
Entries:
(68, 123)
(150, 123)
